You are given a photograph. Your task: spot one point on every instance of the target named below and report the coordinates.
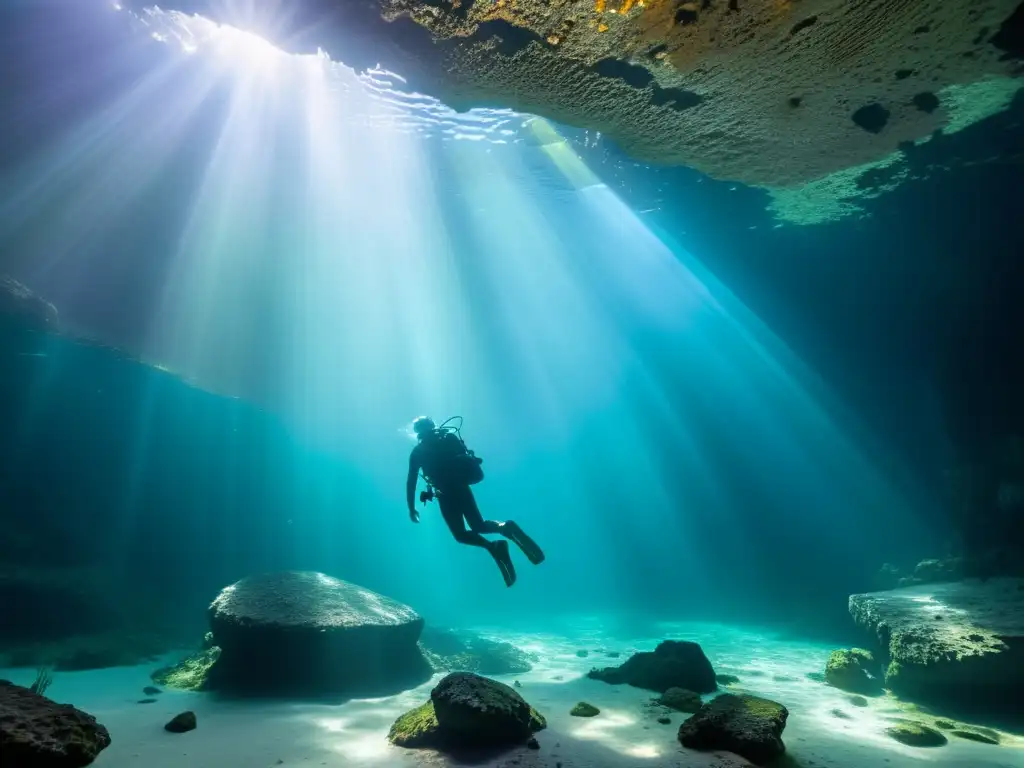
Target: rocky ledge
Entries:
(951, 643)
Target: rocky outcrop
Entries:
(951, 643)
(673, 664)
(746, 725)
(461, 651)
(681, 700)
(915, 735)
(37, 732)
(767, 92)
(853, 670)
(467, 711)
(584, 709)
(191, 673)
(307, 633)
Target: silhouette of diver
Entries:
(449, 468)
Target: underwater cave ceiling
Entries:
(771, 93)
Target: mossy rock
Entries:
(468, 711)
(583, 709)
(748, 726)
(982, 736)
(726, 679)
(189, 674)
(417, 728)
(857, 701)
(915, 735)
(850, 670)
(946, 725)
(681, 700)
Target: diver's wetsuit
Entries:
(459, 509)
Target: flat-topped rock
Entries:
(302, 599)
(306, 632)
(952, 642)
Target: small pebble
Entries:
(149, 690)
(533, 744)
(665, 720)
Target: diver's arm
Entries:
(410, 485)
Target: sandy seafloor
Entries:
(233, 734)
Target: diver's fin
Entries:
(513, 532)
(499, 551)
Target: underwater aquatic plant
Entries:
(44, 678)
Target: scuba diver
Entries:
(449, 469)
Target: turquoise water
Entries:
(266, 266)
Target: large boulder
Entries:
(36, 732)
(950, 643)
(468, 711)
(673, 664)
(308, 633)
(746, 725)
(853, 670)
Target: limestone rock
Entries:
(974, 655)
(583, 709)
(746, 725)
(853, 671)
(673, 664)
(466, 710)
(681, 700)
(191, 673)
(182, 723)
(767, 92)
(916, 735)
(990, 737)
(308, 633)
(35, 731)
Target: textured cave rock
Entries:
(711, 85)
(955, 644)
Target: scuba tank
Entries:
(451, 462)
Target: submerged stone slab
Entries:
(955, 642)
(305, 632)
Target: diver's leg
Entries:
(454, 506)
(510, 530)
(452, 512)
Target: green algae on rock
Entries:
(915, 734)
(583, 709)
(189, 674)
(467, 710)
(749, 726)
(681, 700)
(851, 670)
